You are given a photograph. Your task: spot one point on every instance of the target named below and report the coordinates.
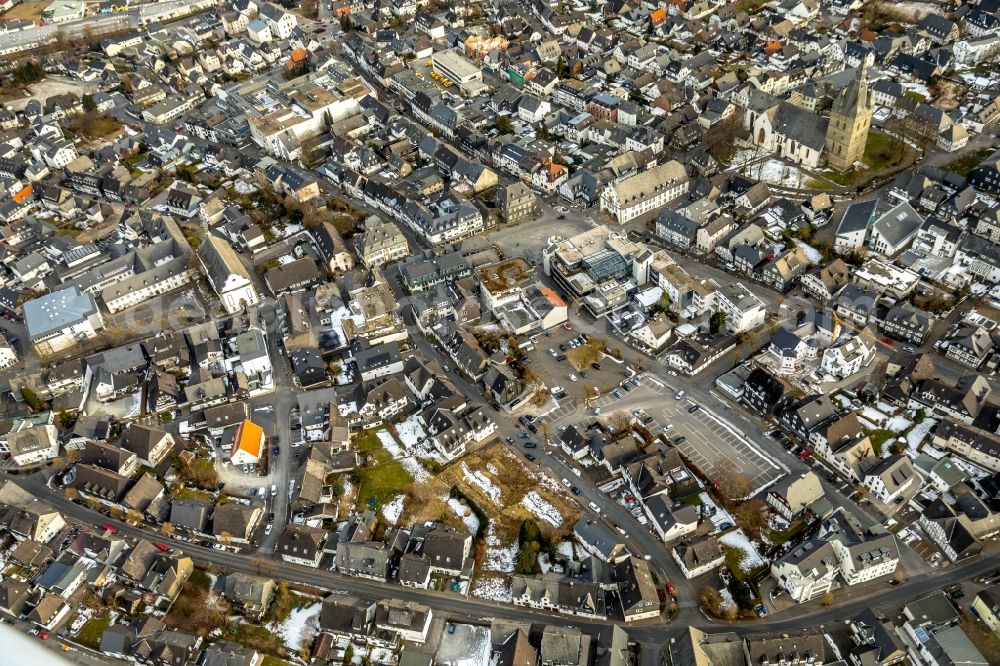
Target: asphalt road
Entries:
(653, 637)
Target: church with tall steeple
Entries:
(850, 120)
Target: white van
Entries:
(262, 492)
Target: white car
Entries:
(679, 396)
(672, 373)
(572, 378)
(274, 490)
(594, 508)
(566, 482)
(668, 426)
(267, 530)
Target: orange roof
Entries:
(249, 437)
(555, 169)
(658, 15)
(772, 47)
(21, 196)
(868, 36)
(298, 55)
(552, 297)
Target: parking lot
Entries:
(702, 437)
(552, 361)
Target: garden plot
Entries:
(406, 459)
(494, 588)
(300, 626)
(411, 433)
(464, 645)
(750, 559)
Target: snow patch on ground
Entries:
(543, 562)
(483, 482)
(410, 432)
(727, 598)
(466, 514)
(737, 539)
(565, 549)
(494, 588)
(416, 470)
(898, 424)
(392, 511)
(919, 432)
(389, 443)
(299, 622)
(498, 556)
(542, 509)
(812, 254)
(409, 463)
(720, 517)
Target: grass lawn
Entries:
(881, 152)
(913, 94)
(184, 493)
(879, 437)
(271, 660)
(963, 165)
(368, 442)
(778, 537)
(90, 634)
(382, 482)
(694, 499)
(734, 562)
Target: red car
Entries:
(671, 590)
(162, 547)
(109, 528)
(43, 635)
(805, 454)
(887, 341)
(568, 326)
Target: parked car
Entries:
(163, 547)
(107, 527)
(594, 507)
(575, 490)
(679, 395)
(267, 530)
(530, 457)
(693, 408)
(530, 445)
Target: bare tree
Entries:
(732, 484)
(620, 421)
(167, 528)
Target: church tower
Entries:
(850, 120)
